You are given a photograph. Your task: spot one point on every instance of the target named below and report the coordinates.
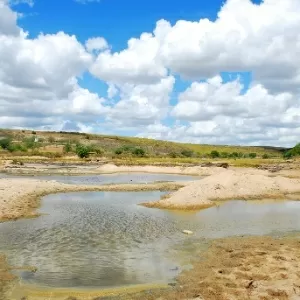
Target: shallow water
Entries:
(109, 178)
(104, 239)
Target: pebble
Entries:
(187, 232)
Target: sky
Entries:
(209, 72)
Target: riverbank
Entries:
(20, 197)
(240, 268)
(241, 184)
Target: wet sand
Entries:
(258, 268)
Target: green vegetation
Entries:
(5, 143)
(252, 155)
(67, 147)
(292, 152)
(82, 151)
(129, 150)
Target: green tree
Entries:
(187, 153)
(5, 143)
(252, 155)
(138, 152)
(119, 151)
(82, 151)
(214, 154)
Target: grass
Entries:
(51, 145)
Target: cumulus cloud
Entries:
(39, 77)
(96, 44)
(138, 64)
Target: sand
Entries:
(229, 184)
(255, 268)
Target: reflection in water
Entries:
(104, 239)
(110, 178)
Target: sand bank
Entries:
(229, 184)
(240, 268)
(94, 168)
(19, 197)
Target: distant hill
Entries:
(47, 142)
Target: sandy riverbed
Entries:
(19, 197)
(230, 184)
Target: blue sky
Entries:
(224, 81)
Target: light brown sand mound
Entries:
(230, 184)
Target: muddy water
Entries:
(104, 239)
(110, 178)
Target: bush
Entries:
(29, 142)
(252, 155)
(265, 156)
(173, 154)
(67, 147)
(5, 143)
(292, 152)
(187, 153)
(51, 139)
(119, 151)
(138, 152)
(98, 150)
(82, 151)
(33, 132)
(234, 155)
(214, 154)
(16, 147)
(224, 154)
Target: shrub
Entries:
(214, 154)
(98, 150)
(265, 156)
(16, 147)
(292, 152)
(119, 151)
(51, 139)
(224, 154)
(29, 142)
(234, 155)
(252, 155)
(67, 147)
(5, 143)
(187, 153)
(287, 155)
(33, 132)
(173, 154)
(82, 151)
(138, 152)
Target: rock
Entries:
(187, 232)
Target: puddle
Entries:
(109, 178)
(106, 240)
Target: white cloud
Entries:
(142, 104)
(39, 77)
(96, 44)
(138, 64)
(260, 38)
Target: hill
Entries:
(60, 145)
